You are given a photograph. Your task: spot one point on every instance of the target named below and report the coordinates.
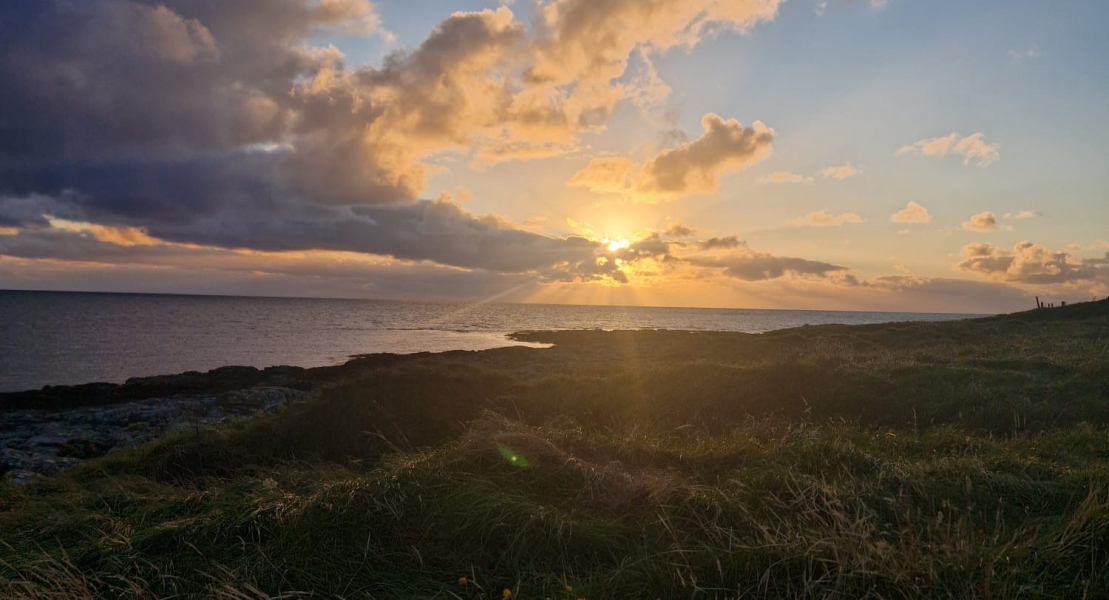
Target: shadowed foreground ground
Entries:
(961, 460)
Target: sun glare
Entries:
(616, 245)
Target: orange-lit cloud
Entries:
(913, 213)
(783, 177)
(984, 222)
(692, 168)
(119, 236)
(748, 265)
(827, 219)
(679, 229)
(1032, 264)
(845, 171)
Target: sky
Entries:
(902, 155)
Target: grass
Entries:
(952, 460)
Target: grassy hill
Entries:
(958, 460)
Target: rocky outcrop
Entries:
(194, 383)
(55, 428)
(216, 381)
(35, 442)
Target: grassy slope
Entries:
(963, 460)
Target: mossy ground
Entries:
(955, 460)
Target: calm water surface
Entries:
(49, 338)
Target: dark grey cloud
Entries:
(25, 212)
(84, 81)
(441, 232)
(728, 242)
(79, 261)
(758, 266)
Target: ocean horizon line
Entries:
(491, 302)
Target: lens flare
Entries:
(514, 458)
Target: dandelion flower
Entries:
(506, 593)
(463, 581)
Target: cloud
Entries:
(984, 222)
(692, 168)
(912, 213)
(717, 243)
(904, 292)
(590, 41)
(845, 171)
(73, 257)
(65, 259)
(973, 148)
(441, 232)
(118, 236)
(749, 265)
(1022, 215)
(1019, 56)
(608, 175)
(821, 6)
(219, 123)
(679, 229)
(1032, 264)
(783, 177)
(826, 219)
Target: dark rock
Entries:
(44, 442)
(215, 381)
(82, 449)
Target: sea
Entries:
(66, 338)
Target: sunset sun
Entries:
(615, 245)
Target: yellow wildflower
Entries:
(463, 581)
(506, 594)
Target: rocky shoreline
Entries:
(34, 443)
(46, 431)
